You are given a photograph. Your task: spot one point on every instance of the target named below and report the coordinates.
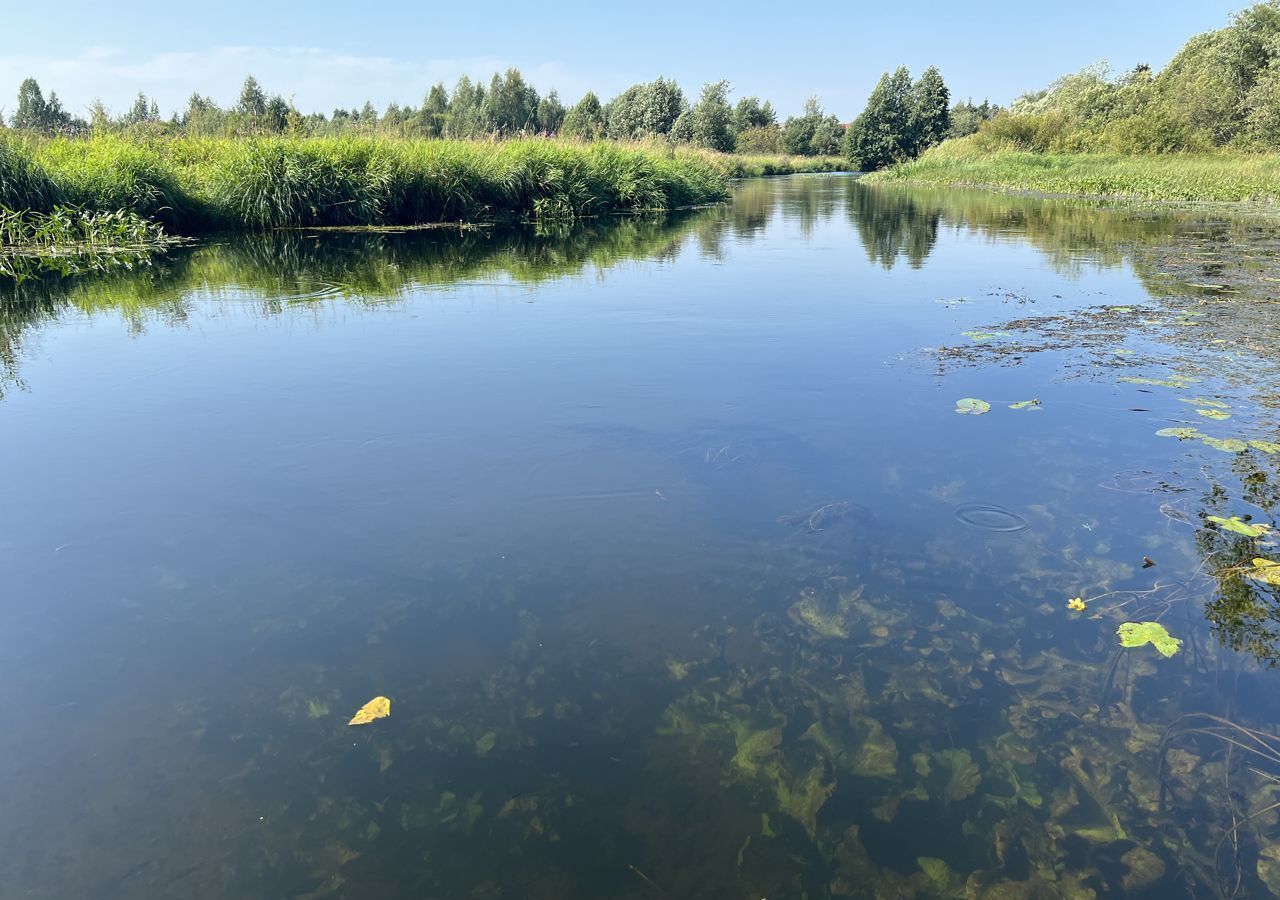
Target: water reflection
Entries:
(681, 573)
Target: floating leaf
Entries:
(1239, 526)
(1266, 571)
(1201, 401)
(1215, 414)
(1182, 434)
(1026, 404)
(1265, 446)
(1174, 381)
(1228, 445)
(1076, 603)
(377, 708)
(971, 406)
(1136, 634)
(982, 337)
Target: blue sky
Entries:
(325, 54)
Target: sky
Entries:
(325, 54)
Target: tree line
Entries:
(902, 118)
(1221, 90)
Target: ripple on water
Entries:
(990, 517)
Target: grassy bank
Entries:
(193, 185)
(1213, 177)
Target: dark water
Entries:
(666, 542)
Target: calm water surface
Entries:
(665, 540)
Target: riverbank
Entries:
(197, 185)
(1221, 177)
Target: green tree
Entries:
(966, 117)
(645, 109)
(139, 112)
(36, 113)
(99, 117)
(31, 112)
(881, 135)
(435, 110)
(511, 105)
(710, 120)
(550, 113)
(750, 113)
(276, 115)
(466, 110)
(253, 101)
(813, 133)
(930, 111)
(585, 120)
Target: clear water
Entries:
(665, 540)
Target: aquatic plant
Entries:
(1138, 634)
(69, 241)
(971, 406)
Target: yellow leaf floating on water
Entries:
(1076, 603)
(377, 708)
(1266, 571)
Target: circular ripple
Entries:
(990, 517)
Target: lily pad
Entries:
(1026, 404)
(1174, 381)
(1239, 526)
(1136, 634)
(971, 406)
(1202, 401)
(1181, 433)
(1216, 414)
(1226, 445)
(1265, 446)
(982, 337)
(1266, 571)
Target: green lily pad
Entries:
(1201, 401)
(982, 337)
(1136, 634)
(1026, 404)
(1239, 526)
(1174, 381)
(1215, 414)
(1182, 434)
(1265, 446)
(971, 406)
(1227, 445)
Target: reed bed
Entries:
(199, 184)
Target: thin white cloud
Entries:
(315, 78)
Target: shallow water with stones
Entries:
(665, 540)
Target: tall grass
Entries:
(1221, 176)
(197, 184)
(24, 183)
